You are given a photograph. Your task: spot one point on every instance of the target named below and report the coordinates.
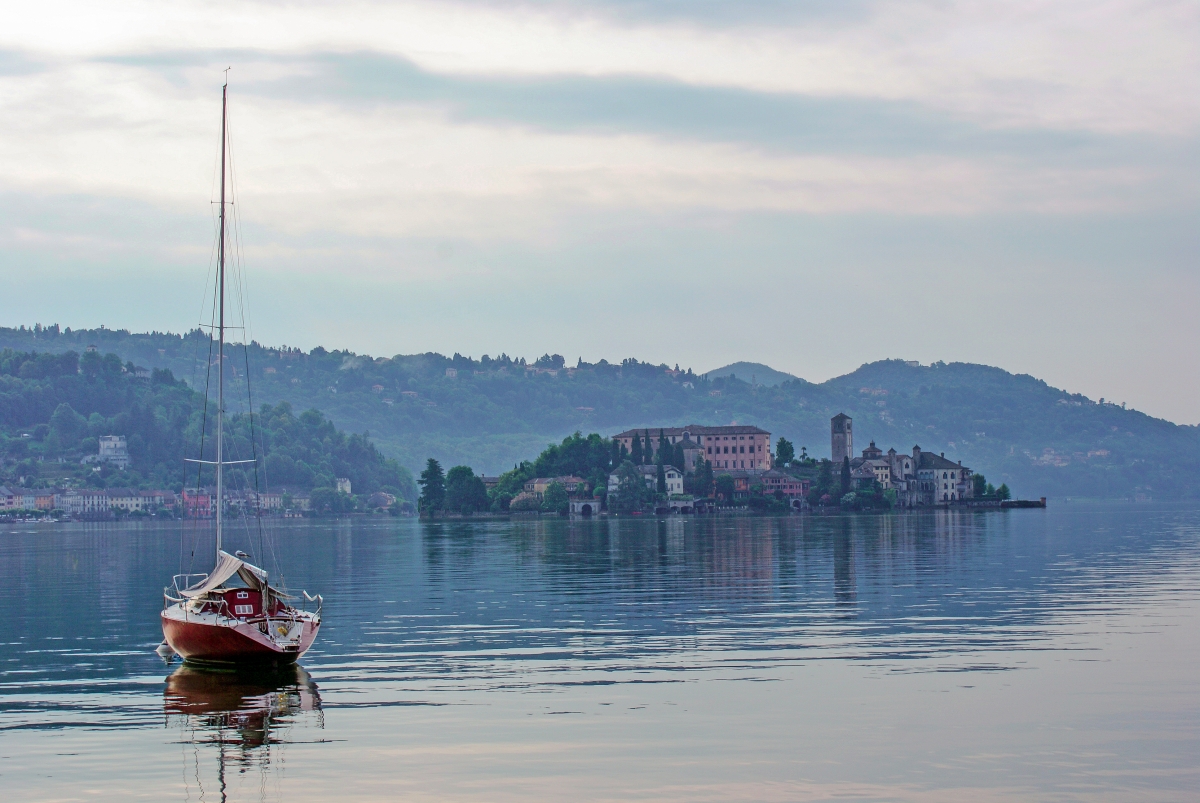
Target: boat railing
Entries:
(187, 581)
(317, 598)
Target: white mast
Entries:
(221, 337)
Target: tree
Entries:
(465, 492)
(662, 454)
(661, 484)
(725, 487)
(979, 485)
(500, 502)
(784, 452)
(846, 475)
(331, 501)
(630, 490)
(700, 481)
(525, 502)
(825, 477)
(679, 458)
(636, 454)
(67, 427)
(704, 471)
(555, 499)
(1002, 493)
(433, 487)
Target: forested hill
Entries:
(494, 412)
(54, 407)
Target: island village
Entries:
(703, 469)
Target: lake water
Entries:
(944, 656)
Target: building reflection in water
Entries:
(247, 716)
(749, 558)
(844, 581)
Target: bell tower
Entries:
(841, 437)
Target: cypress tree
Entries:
(433, 487)
(662, 478)
(636, 455)
(703, 478)
(845, 475)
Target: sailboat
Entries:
(213, 618)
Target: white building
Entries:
(650, 476)
(113, 449)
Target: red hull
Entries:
(201, 642)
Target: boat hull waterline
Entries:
(210, 639)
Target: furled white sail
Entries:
(227, 566)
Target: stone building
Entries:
(922, 478)
(841, 437)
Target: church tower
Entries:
(841, 437)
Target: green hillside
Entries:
(495, 412)
(753, 372)
(54, 407)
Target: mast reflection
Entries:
(246, 715)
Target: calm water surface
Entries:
(1017, 655)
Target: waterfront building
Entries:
(922, 478)
(538, 485)
(793, 489)
(649, 472)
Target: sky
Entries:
(808, 185)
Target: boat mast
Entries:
(221, 336)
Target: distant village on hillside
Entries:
(688, 470)
(671, 470)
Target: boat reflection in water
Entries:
(248, 716)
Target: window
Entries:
(243, 609)
(243, 595)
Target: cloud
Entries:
(537, 176)
(722, 13)
(1128, 65)
(635, 104)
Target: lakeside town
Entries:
(690, 470)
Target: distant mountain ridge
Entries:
(753, 372)
(492, 412)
